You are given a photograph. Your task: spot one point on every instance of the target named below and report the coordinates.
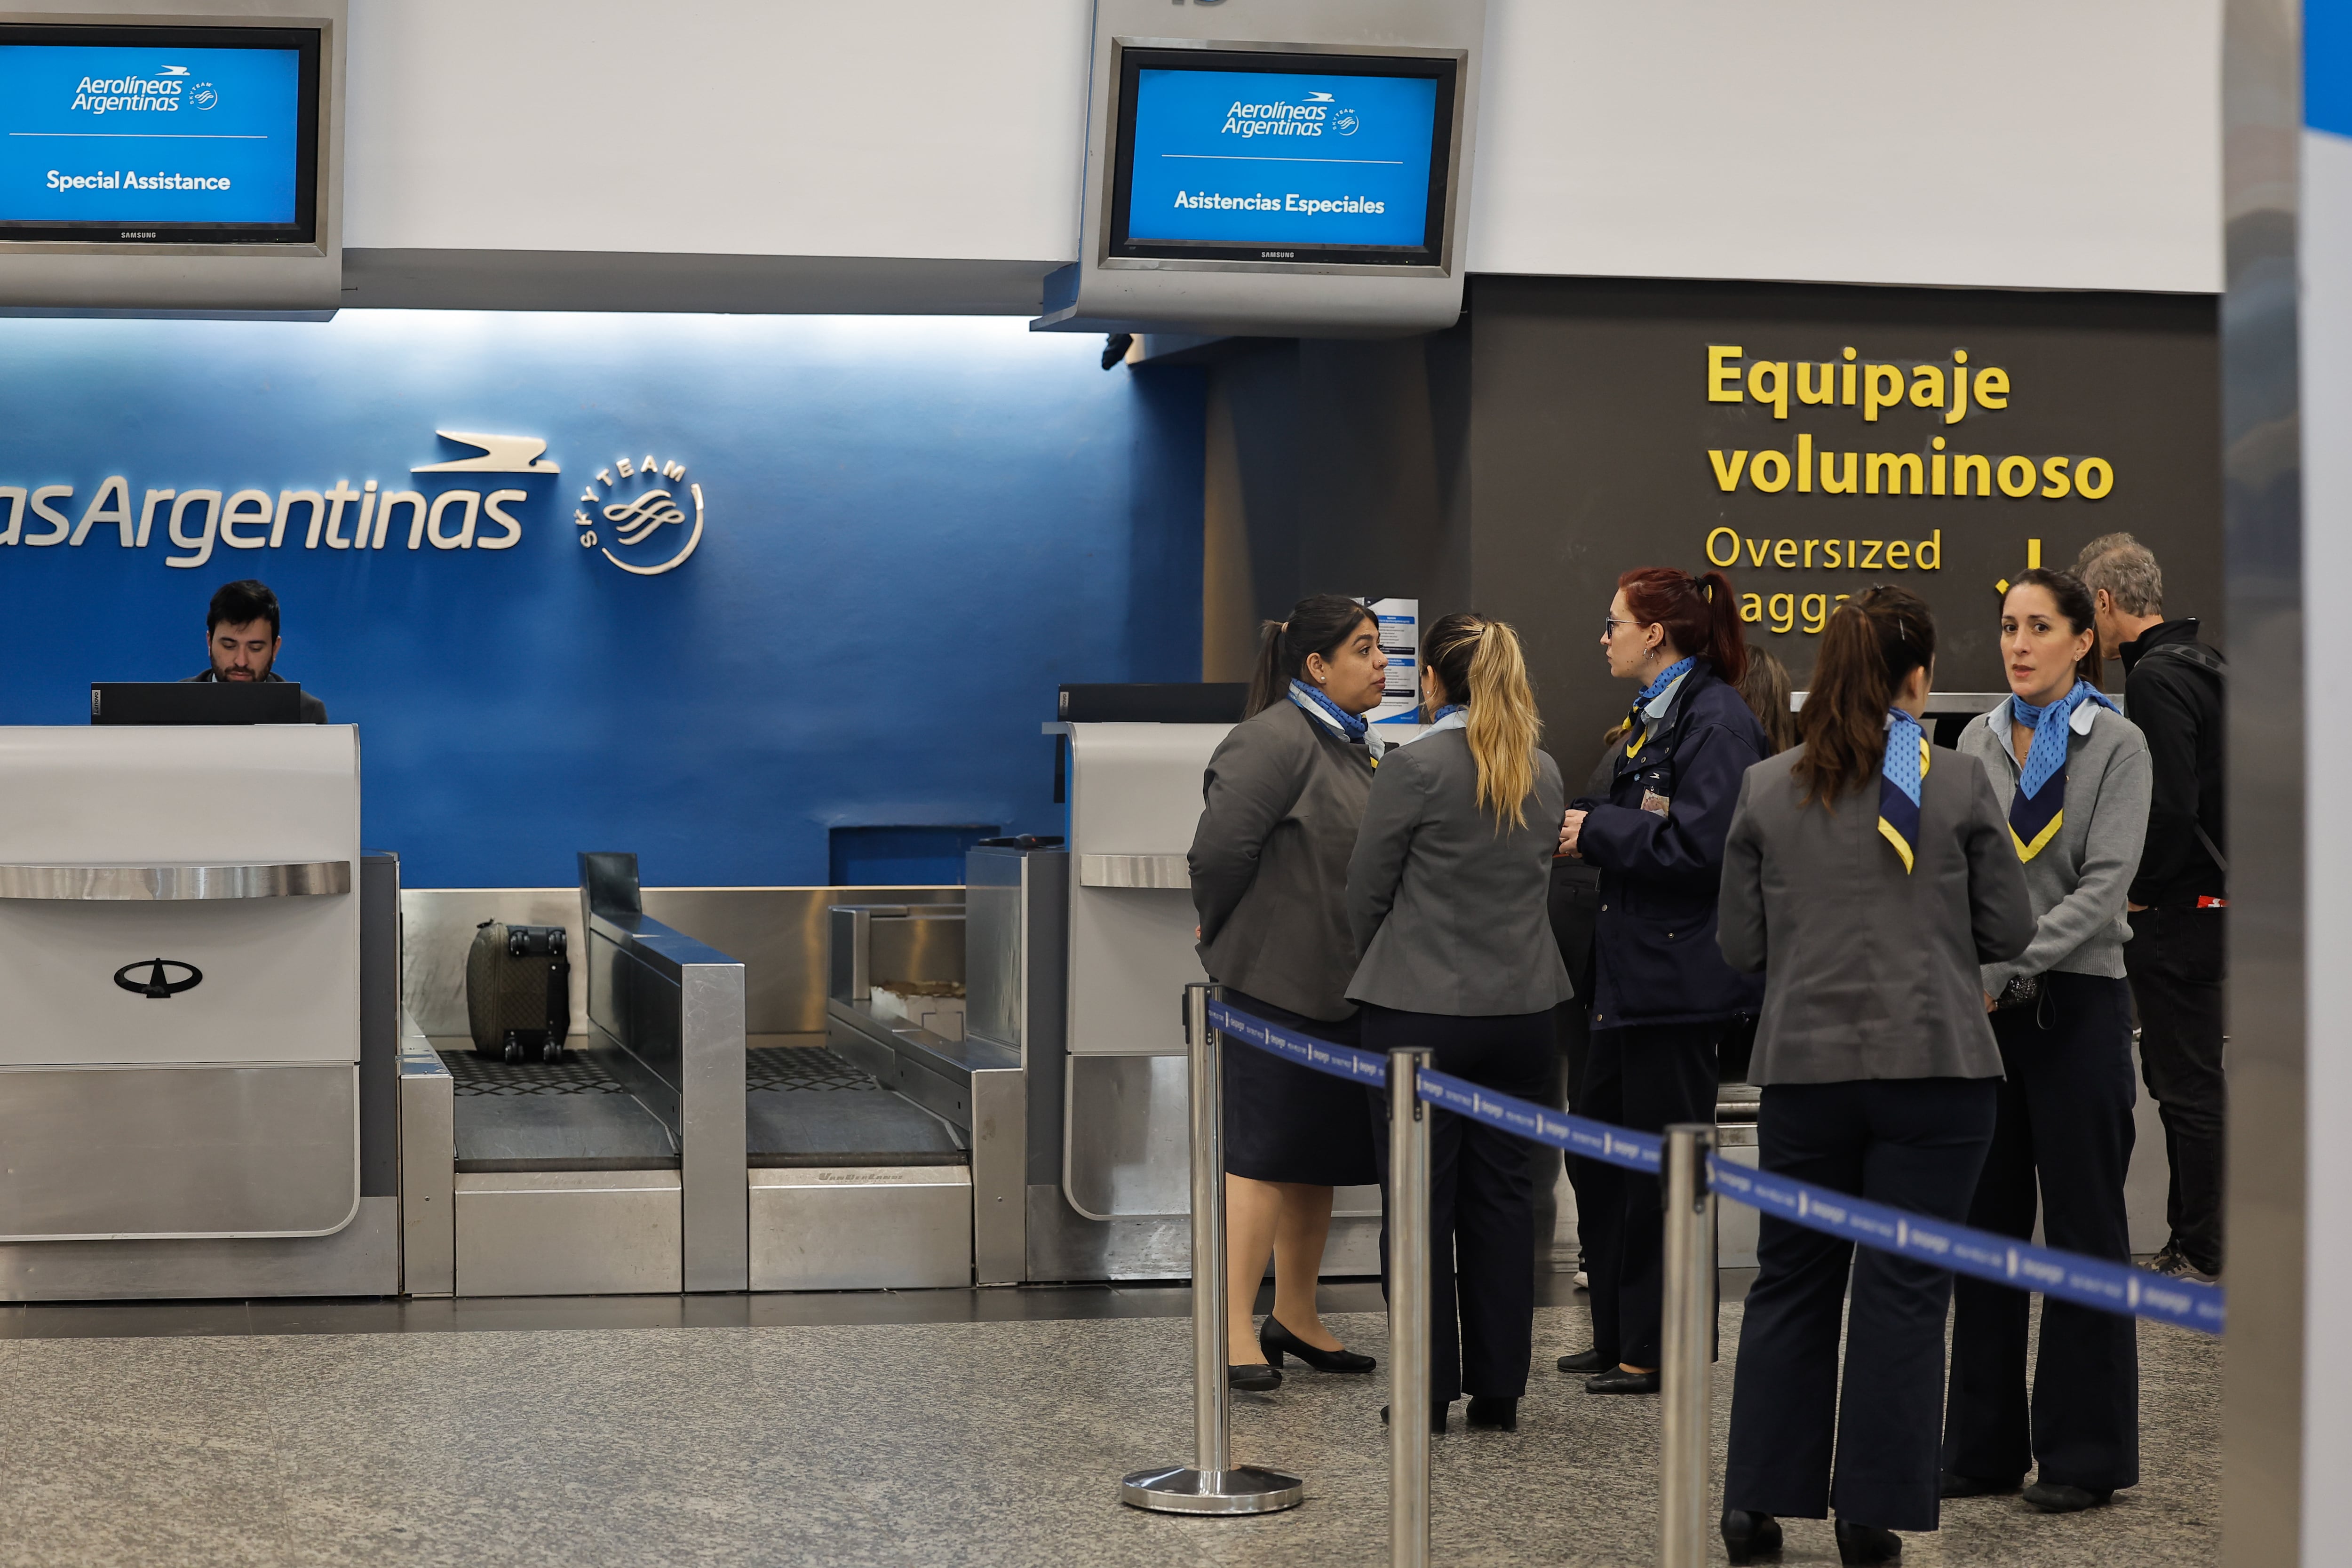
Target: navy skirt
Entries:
(1284, 1122)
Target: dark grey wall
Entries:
(1332, 468)
(1559, 436)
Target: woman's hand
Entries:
(1571, 827)
(1989, 1004)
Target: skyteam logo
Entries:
(641, 511)
(204, 95)
(1345, 122)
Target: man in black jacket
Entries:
(241, 636)
(2173, 689)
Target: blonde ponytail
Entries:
(1481, 664)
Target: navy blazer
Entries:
(1654, 955)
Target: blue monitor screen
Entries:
(1339, 162)
(156, 140)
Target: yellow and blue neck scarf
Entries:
(1900, 778)
(1638, 721)
(2039, 808)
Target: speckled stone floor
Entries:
(875, 1443)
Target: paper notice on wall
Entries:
(1401, 640)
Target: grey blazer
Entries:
(1269, 861)
(2081, 876)
(1870, 973)
(1449, 908)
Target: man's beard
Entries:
(261, 674)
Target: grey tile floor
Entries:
(295, 1434)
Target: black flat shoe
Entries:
(1584, 1363)
(1277, 1341)
(1437, 1415)
(1747, 1536)
(1956, 1485)
(1617, 1380)
(2057, 1497)
(1866, 1543)
(1253, 1378)
(1493, 1415)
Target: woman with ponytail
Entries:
(2074, 779)
(1866, 876)
(1446, 899)
(1283, 795)
(1663, 997)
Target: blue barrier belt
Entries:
(2108, 1286)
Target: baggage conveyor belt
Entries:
(805, 1108)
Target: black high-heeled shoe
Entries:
(1437, 1415)
(1747, 1536)
(1860, 1544)
(1253, 1379)
(1277, 1341)
(1492, 1413)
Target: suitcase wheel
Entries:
(514, 1049)
(551, 1052)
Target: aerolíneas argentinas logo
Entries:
(635, 513)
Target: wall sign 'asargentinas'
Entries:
(632, 512)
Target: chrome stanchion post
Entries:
(1212, 1483)
(1688, 1347)
(1409, 1311)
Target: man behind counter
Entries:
(241, 635)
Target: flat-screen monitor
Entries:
(1283, 156)
(195, 703)
(149, 135)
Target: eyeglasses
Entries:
(1609, 624)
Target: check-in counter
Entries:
(193, 1096)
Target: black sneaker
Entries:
(2174, 1264)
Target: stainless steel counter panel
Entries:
(673, 1009)
(570, 1233)
(1134, 871)
(870, 1229)
(361, 1260)
(778, 933)
(118, 1152)
(152, 883)
(428, 1145)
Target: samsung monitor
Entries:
(1262, 156)
(175, 156)
(195, 703)
(136, 135)
(1278, 168)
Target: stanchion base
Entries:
(1183, 1489)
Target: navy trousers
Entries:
(2066, 1120)
(1645, 1077)
(1482, 1191)
(1796, 1448)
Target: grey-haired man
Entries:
(2174, 687)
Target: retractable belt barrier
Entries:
(2118, 1288)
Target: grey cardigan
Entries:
(1449, 907)
(1870, 973)
(2080, 878)
(1269, 861)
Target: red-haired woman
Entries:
(1663, 995)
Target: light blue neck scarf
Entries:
(2047, 756)
(1348, 726)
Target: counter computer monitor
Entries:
(195, 703)
(136, 135)
(1283, 156)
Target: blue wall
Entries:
(915, 529)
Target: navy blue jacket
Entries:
(1656, 959)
